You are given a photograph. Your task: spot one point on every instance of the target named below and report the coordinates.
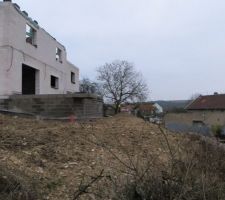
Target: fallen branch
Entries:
(83, 189)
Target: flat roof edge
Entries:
(76, 95)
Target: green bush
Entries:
(217, 130)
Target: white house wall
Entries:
(159, 109)
(15, 51)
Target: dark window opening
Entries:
(198, 123)
(31, 35)
(54, 82)
(28, 80)
(73, 77)
(58, 55)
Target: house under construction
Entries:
(31, 60)
(35, 76)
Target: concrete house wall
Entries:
(58, 106)
(15, 51)
(195, 121)
(159, 108)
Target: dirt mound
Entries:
(57, 160)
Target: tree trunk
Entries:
(117, 109)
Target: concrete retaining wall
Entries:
(55, 106)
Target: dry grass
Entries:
(66, 161)
(14, 185)
(196, 170)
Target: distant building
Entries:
(127, 108)
(158, 108)
(200, 115)
(145, 109)
(31, 60)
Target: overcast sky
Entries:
(178, 45)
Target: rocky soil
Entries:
(56, 159)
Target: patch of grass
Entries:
(197, 173)
(217, 130)
(52, 185)
(14, 186)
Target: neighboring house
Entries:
(173, 106)
(200, 115)
(127, 108)
(158, 108)
(146, 109)
(31, 60)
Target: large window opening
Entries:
(54, 82)
(73, 77)
(198, 123)
(58, 55)
(30, 35)
(29, 80)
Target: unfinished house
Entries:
(35, 76)
(31, 60)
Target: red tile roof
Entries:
(210, 102)
(146, 107)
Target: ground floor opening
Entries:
(29, 80)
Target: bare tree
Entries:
(121, 83)
(90, 87)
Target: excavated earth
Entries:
(56, 158)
